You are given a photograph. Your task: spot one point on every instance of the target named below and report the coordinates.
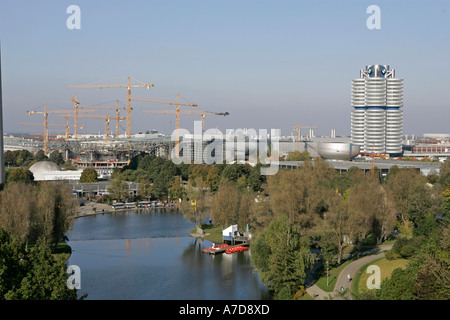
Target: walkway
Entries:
(342, 281)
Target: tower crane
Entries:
(177, 113)
(128, 85)
(190, 112)
(98, 116)
(297, 128)
(117, 108)
(46, 134)
(45, 124)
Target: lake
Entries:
(149, 255)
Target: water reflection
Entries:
(124, 256)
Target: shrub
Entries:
(391, 255)
(300, 293)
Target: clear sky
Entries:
(270, 64)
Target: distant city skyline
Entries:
(270, 64)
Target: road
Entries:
(352, 269)
(342, 281)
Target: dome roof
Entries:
(39, 168)
(338, 150)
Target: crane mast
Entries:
(177, 105)
(128, 85)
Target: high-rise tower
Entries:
(377, 120)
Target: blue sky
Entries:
(270, 64)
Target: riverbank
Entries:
(91, 208)
(149, 255)
(213, 234)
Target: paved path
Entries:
(342, 281)
(352, 269)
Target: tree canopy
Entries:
(89, 175)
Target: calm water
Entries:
(150, 255)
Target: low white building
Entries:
(230, 233)
(50, 171)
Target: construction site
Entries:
(116, 146)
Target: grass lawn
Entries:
(386, 267)
(333, 274)
(306, 296)
(62, 251)
(213, 234)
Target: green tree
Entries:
(118, 188)
(213, 178)
(35, 274)
(24, 157)
(424, 200)
(400, 286)
(146, 189)
(233, 172)
(89, 175)
(40, 155)
(225, 204)
(444, 175)
(20, 175)
(55, 209)
(199, 170)
(255, 179)
(196, 202)
(399, 186)
(33, 212)
(328, 248)
(369, 212)
(300, 194)
(176, 189)
(162, 183)
(298, 156)
(337, 219)
(10, 158)
(17, 207)
(56, 157)
(282, 257)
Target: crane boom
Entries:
(190, 112)
(172, 103)
(45, 113)
(297, 129)
(117, 108)
(177, 115)
(99, 116)
(128, 85)
(46, 134)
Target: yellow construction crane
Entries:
(46, 134)
(297, 128)
(45, 124)
(128, 85)
(97, 116)
(117, 108)
(190, 112)
(177, 113)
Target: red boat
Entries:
(217, 247)
(236, 249)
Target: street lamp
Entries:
(327, 273)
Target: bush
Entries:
(300, 293)
(284, 294)
(391, 255)
(405, 248)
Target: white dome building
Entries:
(50, 171)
